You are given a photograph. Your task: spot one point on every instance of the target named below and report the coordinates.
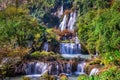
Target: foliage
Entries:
(18, 52)
(110, 57)
(17, 26)
(111, 73)
(83, 77)
(39, 7)
(44, 54)
(99, 30)
(47, 77)
(26, 78)
(50, 34)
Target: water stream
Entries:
(53, 68)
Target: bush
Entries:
(45, 55)
(110, 73)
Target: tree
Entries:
(99, 29)
(17, 25)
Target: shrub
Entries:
(45, 55)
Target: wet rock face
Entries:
(37, 67)
(53, 68)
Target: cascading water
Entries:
(60, 11)
(94, 71)
(53, 68)
(80, 68)
(63, 23)
(45, 47)
(72, 21)
(70, 48)
(36, 68)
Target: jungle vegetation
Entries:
(98, 24)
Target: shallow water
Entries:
(76, 55)
(20, 78)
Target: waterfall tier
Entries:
(54, 68)
(70, 48)
(68, 22)
(36, 68)
(45, 47)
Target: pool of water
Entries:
(76, 55)
(36, 77)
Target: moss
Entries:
(26, 78)
(45, 55)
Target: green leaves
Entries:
(99, 30)
(17, 27)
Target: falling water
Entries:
(36, 68)
(70, 22)
(63, 23)
(94, 71)
(60, 12)
(80, 68)
(45, 47)
(70, 48)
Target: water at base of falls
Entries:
(37, 69)
(70, 48)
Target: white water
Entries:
(54, 68)
(94, 71)
(70, 48)
(45, 47)
(80, 68)
(60, 11)
(72, 21)
(63, 23)
(36, 68)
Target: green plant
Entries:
(26, 78)
(45, 55)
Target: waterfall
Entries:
(69, 68)
(36, 68)
(70, 48)
(54, 68)
(60, 11)
(63, 23)
(80, 68)
(74, 17)
(72, 21)
(45, 47)
(94, 71)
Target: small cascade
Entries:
(46, 46)
(72, 21)
(63, 23)
(77, 41)
(70, 48)
(80, 68)
(69, 68)
(60, 11)
(36, 68)
(94, 71)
